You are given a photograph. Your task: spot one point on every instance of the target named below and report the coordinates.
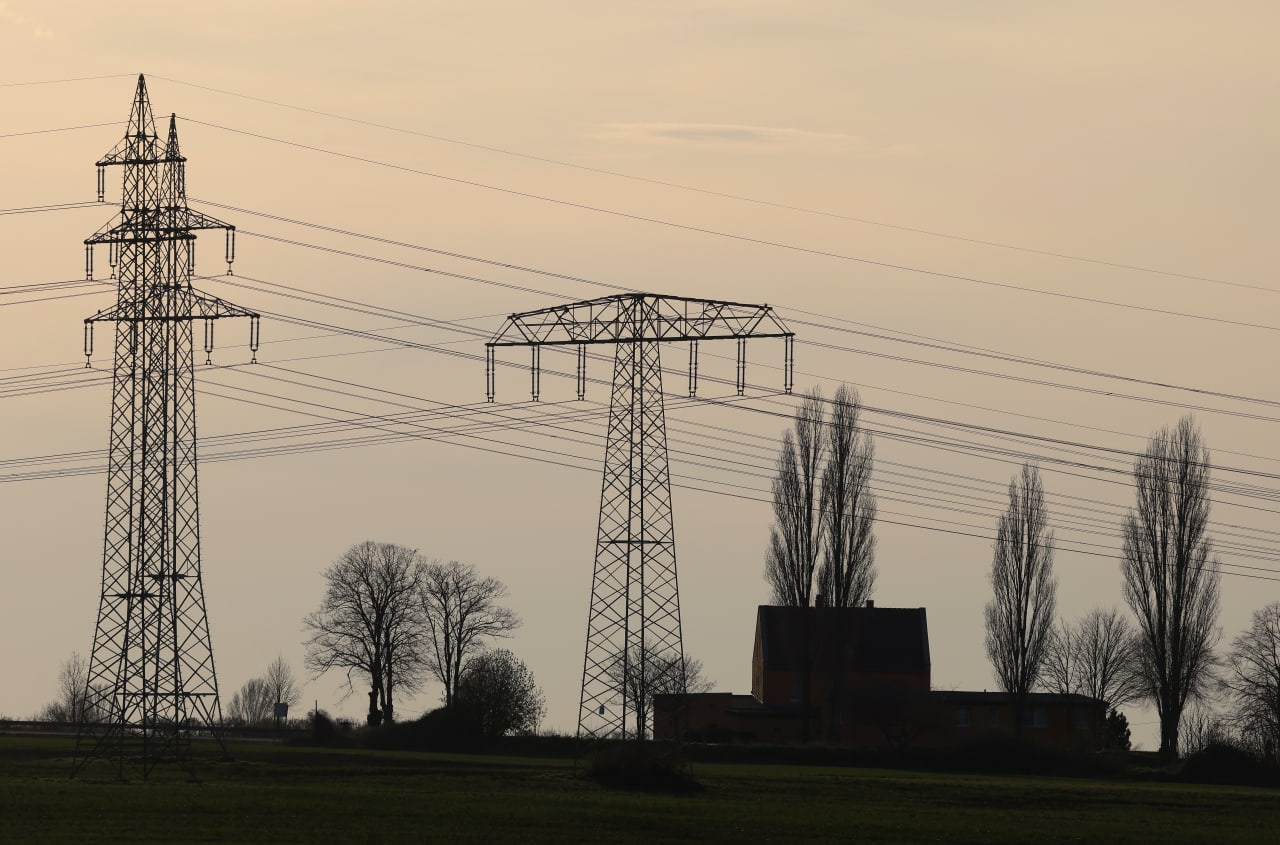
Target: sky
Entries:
(941, 200)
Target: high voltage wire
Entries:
(741, 238)
(364, 308)
(1004, 412)
(1003, 452)
(589, 282)
(314, 377)
(721, 434)
(444, 434)
(60, 81)
(506, 265)
(725, 195)
(887, 497)
(59, 129)
(728, 195)
(932, 343)
(401, 264)
(540, 430)
(319, 377)
(11, 290)
(304, 448)
(1094, 391)
(39, 209)
(351, 304)
(935, 343)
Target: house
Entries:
(861, 677)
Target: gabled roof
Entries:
(858, 639)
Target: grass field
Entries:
(277, 794)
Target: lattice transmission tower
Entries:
(634, 642)
(151, 680)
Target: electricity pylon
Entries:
(151, 680)
(634, 644)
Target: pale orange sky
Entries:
(1136, 133)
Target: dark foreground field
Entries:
(275, 794)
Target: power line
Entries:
(926, 342)
(61, 206)
(933, 343)
(60, 81)
(303, 448)
(744, 238)
(733, 196)
(352, 305)
(59, 129)
(401, 394)
(1126, 454)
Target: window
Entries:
(1035, 717)
(962, 717)
(1082, 720)
(993, 716)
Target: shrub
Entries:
(325, 730)
(442, 729)
(1226, 763)
(642, 766)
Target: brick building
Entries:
(861, 677)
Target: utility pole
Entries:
(151, 681)
(633, 625)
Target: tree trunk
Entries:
(1169, 734)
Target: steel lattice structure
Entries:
(633, 625)
(151, 681)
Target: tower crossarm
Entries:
(199, 306)
(640, 318)
(155, 224)
(634, 317)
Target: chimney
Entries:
(870, 603)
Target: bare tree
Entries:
(460, 610)
(821, 544)
(1020, 613)
(1061, 670)
(1110, 669)
(370, 622)
(651, 673)
(499, 693)
(1098, 656)
(848, 574)
(792, 556)
(1200, 727)
(1170, 576)
(282, 686)
(251, 704)
(69, 703)
(1251, 680)
(255, 701)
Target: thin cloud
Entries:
(9, 19)
(719, 135)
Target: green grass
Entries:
(275, 794)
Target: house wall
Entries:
(778, 687)
(781, 687)
(879, 718)
(711, 717)
(1057, 725)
